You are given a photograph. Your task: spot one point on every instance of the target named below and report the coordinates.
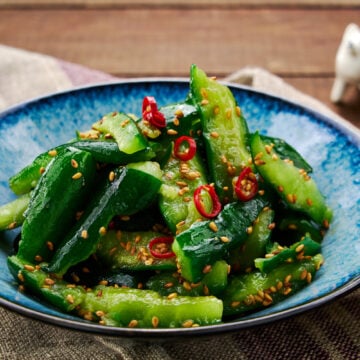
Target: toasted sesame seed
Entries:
(206, 269)
(41, 170)
(70, 299)
(187, 286)
(303, 274)
(238, 111)
(228, 113)
(259, 162)
(128, 246)
(224, 239)
(188, 323)
(216, 110)
(214, 134)
(12, 225)
(102, 231)
(270, 255)
(155, 321)
(148, 262)
(300, 248)
(50, 245)
(75, 278)
(280, 188)
(49, 281)
(287, 279)
(20, 276)
(291, 198)
(235, 304)
(287, 291)
(74, 163)
(84, 234)
(52, 153)
(271, 226)
(204, 93)
(38, 258)
(172, 296)
(179, 113)
(77, 176)
(133, 323)
(29, 267)
(125, 122)
(326, 224)
(309, 277)
(213, 226)
(172, 132)
(249, 230)
(111, 176)
(100, 313)
(249, 300)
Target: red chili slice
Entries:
(216, 204)
(159, 247)
(190, 151)
(149, 104)
(151, 113)
(246, 186)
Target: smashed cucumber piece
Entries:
(293, 185)
(124, 130)
(117, 306)
(256, 290)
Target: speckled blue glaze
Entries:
(332, 148)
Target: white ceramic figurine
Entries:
(347, 62)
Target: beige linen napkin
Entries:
(328, 332)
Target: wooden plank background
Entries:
(297, 41)
(177, 3)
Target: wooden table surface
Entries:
(295, 39)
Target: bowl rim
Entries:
(343, 125)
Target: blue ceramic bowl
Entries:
(332, 148)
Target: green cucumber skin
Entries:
(246, 293)
(297, 189)
(118, 196)
(125, 250)
(224, 130)
(54, 203)
(200, 246)
(12, 213)
(116, 306)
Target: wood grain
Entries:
(296, 42)
(137, 42)
(181, 3)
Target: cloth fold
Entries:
(328, 332)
